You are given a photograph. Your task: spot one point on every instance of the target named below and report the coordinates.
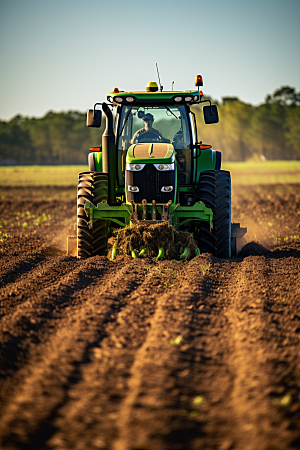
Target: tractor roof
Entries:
(154, 98)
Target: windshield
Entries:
(158, 124)
(155, 124)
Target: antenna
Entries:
(172, 85)
(160, 86)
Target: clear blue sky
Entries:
(61, 54)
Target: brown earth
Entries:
(140, 354)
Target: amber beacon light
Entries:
(198, 80)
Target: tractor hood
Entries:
(151, 153)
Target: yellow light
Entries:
(198, 80)
(152, 86)
(116, 91)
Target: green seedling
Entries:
(41, 219)
(283, 401)
(199, 400)
(204, 268)
(4, 236)
(176, 341)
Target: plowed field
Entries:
(147, 355)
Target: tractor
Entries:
(151, 168)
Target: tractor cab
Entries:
(168, 129)
(152, 141)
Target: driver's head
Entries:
(148, 118)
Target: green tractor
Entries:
(151, 168)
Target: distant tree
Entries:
(285, 95)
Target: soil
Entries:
(143, 354)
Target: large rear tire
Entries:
(91, 240)
(215, 193)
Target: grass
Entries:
(4, 236)
(263, 172)
(243, 173)
(40, 175)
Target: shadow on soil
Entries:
(256, 249)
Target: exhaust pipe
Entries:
(109, 155)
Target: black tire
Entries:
(215, 193)
(92, 187)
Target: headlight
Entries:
(135, 167)
(167, 189)
(162, 167)
(133, 189)
(188, 99)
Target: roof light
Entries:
(178, 99)
(198, 80)
(152, 86)
(167, 189)
(133, 189)
(188, 99)
(129, 99)
(118, 99)
(201, 94)
(116, 91)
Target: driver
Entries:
(148, 121)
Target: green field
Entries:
(243, 173)
(266, 172)
(40, 175)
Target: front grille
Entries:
(150, 181)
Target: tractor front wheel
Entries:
(91, 239)
(215, 193)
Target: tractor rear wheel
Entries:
(91, 240)
(215, 193)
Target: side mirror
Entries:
(210, 114)
(93, 118)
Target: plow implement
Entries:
(152, 228)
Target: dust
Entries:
(152, 237)
(51, 250)
(270, 213)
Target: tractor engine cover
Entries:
(150, 173)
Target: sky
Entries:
(65, 55)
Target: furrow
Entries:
(50, 373)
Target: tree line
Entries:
(268, 131)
